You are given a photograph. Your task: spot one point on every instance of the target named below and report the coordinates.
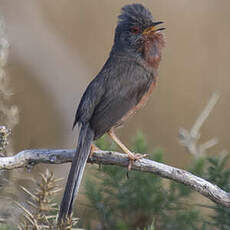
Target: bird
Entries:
(121, 88)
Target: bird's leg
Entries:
(121, 145)
(131, 156)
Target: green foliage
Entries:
(219, 174)
(6, 227)
(151, 227)
(133, 202)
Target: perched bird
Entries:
(120, 89)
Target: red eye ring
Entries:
(135, 30)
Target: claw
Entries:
(135, 157)
(93, 148)
(130, 165)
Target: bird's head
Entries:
(136, 29)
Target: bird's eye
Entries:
(135, 30)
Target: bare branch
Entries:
(190, 139)
(204, 114)
(58, 156)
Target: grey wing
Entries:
(90, 100)
(122, 95)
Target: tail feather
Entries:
(85, 139)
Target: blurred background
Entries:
(57, 47)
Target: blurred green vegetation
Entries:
(145, 201)
(6, 227)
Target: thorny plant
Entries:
(4, 134)
(8, 113)
(40, 210)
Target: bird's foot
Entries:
(134, 157)
(92, 150)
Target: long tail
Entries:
(77, 168)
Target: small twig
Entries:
(2, 221)
(59, 156)
(4, 134)
(189, 139)
(209, 144)
(195, 131)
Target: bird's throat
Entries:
(152, 49)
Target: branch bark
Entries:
(28, 158)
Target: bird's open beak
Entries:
(153, 28)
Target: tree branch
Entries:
(28, 158)
(189, 139)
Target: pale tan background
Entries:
(58, 46)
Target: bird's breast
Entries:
(140, 104)
(146, 96)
